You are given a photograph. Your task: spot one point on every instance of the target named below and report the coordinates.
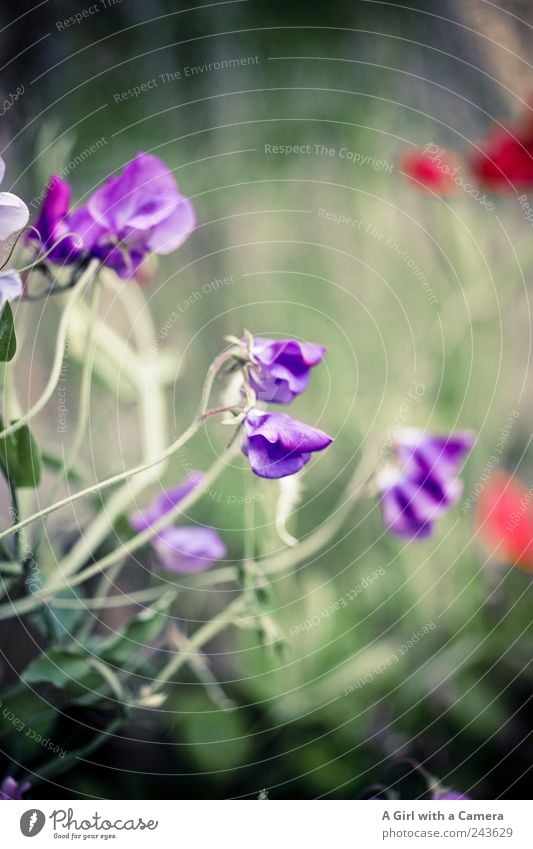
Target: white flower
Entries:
(10, 286)
(14, 214)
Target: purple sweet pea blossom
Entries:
(138, 212)
(133, 214)
(188, 549)
(54, 223)
(277, 445)
(165, 502)
(424, 485)
(12, 790)
(180, 549)
(283, 368)
(10, 286)
(14, 214)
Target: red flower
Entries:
(506, 158)
(505, 520)
(430, 168)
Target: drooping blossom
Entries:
(14, 214)
(10, 286)
(13, 790)
(277, 445)
(185, 548)
(430, 168)
(283, 368)
(133, 214)
(504, 519)
(423, 485)
(505, 158)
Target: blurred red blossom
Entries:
(504, 520)
(431, 168)
(505, 158)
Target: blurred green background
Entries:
(414, 291)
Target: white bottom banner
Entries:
(235, 824)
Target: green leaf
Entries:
(20, 457)
(56, 464)
(60, 667)
(66, 618)
(8, 340)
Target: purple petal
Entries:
(170, 233)
(165, 502)
(289, 433)
(85, 227)
(448, 795)
(188, 549)
(54, 208)
(429, 452)
(278, 445)
(53, 222)
(142, 196)
(401, 511)
(12, 790)
(283, 368)
(2, 169)
(413, 500)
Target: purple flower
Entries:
(188, 549)
(54, 222)
(165, 502)
(444, 795)
(277, 445)
(11, 789)
(138, 212)
(283, 368)
(182, 549)
(424, 485)
(14, 213)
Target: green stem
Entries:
(84, 406)
(105, 484)
(214, 368)
(203, 635)
(104, 602)
(15, 507)
(72, 298)
(27, 604)
(315, 542)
